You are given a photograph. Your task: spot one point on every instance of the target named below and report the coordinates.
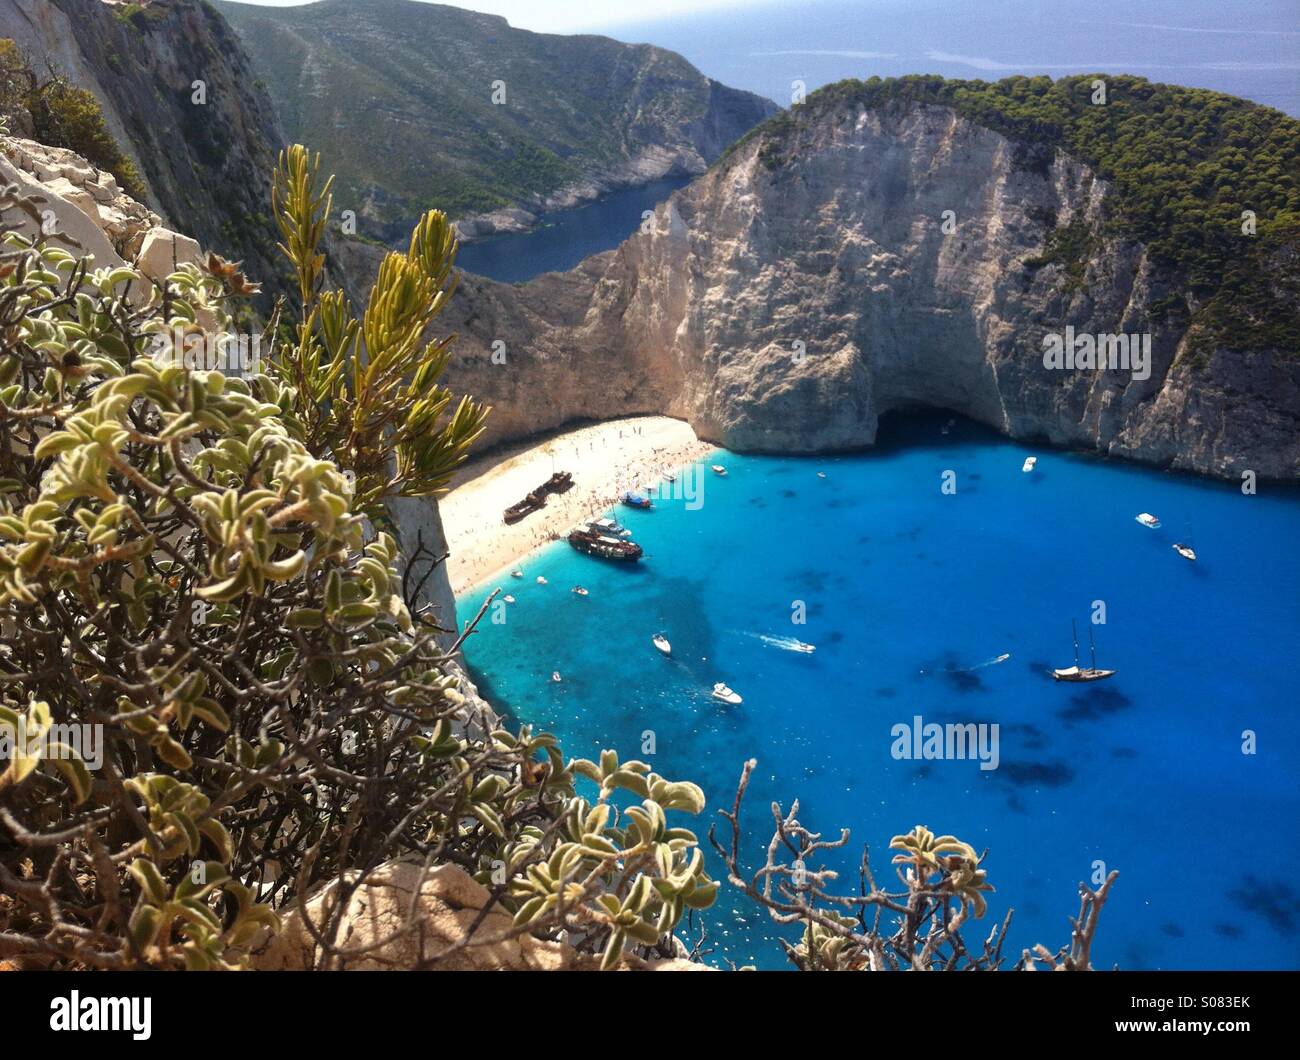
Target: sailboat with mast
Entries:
(1076, 673)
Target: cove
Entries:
(565, 237)
(913, 597)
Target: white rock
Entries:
(163, 251)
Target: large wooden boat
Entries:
(532, 503)
(560, 482)
(593, 544)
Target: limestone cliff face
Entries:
(788, 308)
(207, 164)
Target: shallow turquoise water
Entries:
(907, 592)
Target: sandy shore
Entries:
(605, 459)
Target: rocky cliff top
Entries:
(179, 97)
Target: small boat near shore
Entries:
(637, 500)
(718, 469)
(1186, 551)
(661, 642)
(723, 694)
(516, 573)
(578, 590)
(603, 547)
(1148, 520)
(1029, 463)
(1077, 674)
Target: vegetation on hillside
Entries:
(1186, 165)
(56, 112)
(417, 105)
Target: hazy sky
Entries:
(567, 16)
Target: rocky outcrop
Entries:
(180, 98)
(82, 210)
(448, 904)
(415, 105)
(895, 258)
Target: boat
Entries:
(579, 590)
(516, 573)
(541, 580)
(1148, 520)
(555, 676)
(532, 503)
(661, 642)
(821, 474)
(608, 527)
(603, 547)
(803, 646)
(1029, 463)
(1076, 673)
(1186, 551)
(726, 695)
(508, 598)
(718, 469)
(560, 482)
(635, 500)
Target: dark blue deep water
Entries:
(909, 595)
(565, 237)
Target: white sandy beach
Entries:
(605, 459)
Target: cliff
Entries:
(207, 163)
(416, 105)
(872, 256)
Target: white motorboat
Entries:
(804, 647)
(609, 527)
(661, 642)
(555, 676)
(1148, 520)
(508, 598)
(1029, 463)
(579, 590)
(726, 695)
(541, 580)
(718, 469)
(516, 573)
(1186, 551)
(821, 474)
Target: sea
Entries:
(939, 583)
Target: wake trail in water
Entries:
(979, 666)
(784, 643)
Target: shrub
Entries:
(214, 696)
(59, 114)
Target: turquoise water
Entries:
(909, 595)
(565, 237)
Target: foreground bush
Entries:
(213, 696)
